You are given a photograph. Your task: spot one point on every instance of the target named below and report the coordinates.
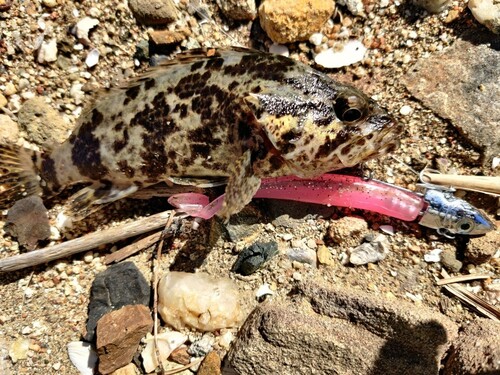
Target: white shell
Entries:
(353, 52)
(83, 357)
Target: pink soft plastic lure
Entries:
(437, 208)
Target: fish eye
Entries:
(348, 109)
(465, 225)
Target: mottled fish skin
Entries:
(230, 113)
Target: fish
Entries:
(228, 116)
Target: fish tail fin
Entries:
(18, 174)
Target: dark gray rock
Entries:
(476, 351)
(461, 84)
(339, 331)
(28, 221)
(239, 10)
(253, 257)
(120, 285)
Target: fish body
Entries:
(230, 115)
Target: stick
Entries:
(133, 248)
(461, 278)
(84, 243)
(485, 184)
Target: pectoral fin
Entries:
(241, 187)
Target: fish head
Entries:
(325, 126)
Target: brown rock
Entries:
(154, 12)
(119, 334)
(239, 10)
(476, 351)
(466, 73)
(210, 365)
(324, 256)
(340, 331)
(290, 21)
(165, 37)
(481, 249)
(9, 131)
(347, 231)
(130, 369)
(181, 355)
(3, 101)
(42, 123)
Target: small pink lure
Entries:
(436, 208)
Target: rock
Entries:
(302, 255)
(82, 28)
(82, 356)
(340, 331)
(480, 249)
(291, 21)
(42, 123)
(19, 349)
(432, 6)
(450, 262)
(325, 256)
(92, 58)
(356, 7)
(167, 343)
(154, 12)
(165, 37)
(28, 221)
(210, 365)
(198, 301)
(3, 101)
(130, 369)
(47, 52)
(120, 285)
(245, 225)
(466, 73)
(9, 131)
(350, 53)
(5, 5)
(203, 346)
(10, 89)
(119, 333)
(487, 13)
(181, 355)
(239, 10)
(373, 250)
(476, 351)
(347, 231)
(279, 49)
(253, 257)
(49, 3)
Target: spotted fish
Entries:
(231, 116)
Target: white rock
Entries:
(264, 290)
(433, 256)
(352, 52)
(370, 252)
(47, 52)
(316, 39)
(495, 163)
(355, 6)
(226, 338)
(92, 58)
(405, 110)
(76, 93)
(82, 28)
(198, 301)
(19, 349)
(167, 343)
(82, 356)
(49, 3)
(487, 12)
(279, 49)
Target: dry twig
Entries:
(133, 248)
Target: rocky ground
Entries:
(315, 312)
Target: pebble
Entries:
(154, 12)
(130, 369)
(487, 13)
(9, 131)
(302, 255)
(181, 355)
(347, 231)
(19, 349)
(211, 365)
(356, 7)
(167, 343)
(316, 39)
(49, 3)
(351, 52)
(199, 301)
(405, 110)
(10, 89)
(92, 58)
(239, 10)
(225, 339)
(279, 49)
(254, 257)
(432, 6)
(291, 21)
(325, 256)
(433, 256)
(3, 101)
(120, 285)
(82, 28)
(450, 261)
(374, 250)
(47, 52)
(119, 333)
(202, 346)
